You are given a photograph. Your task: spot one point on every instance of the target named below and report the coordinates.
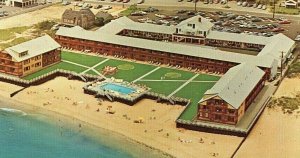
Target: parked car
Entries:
(244, 4)
(66, 3)
(181, 11)
(191, 13)
(259, 6)
(223, 1)
(180, 0)
(240, 18)
(297, 38)
(264, 7)
(285, 22)
(98, 6)
(279, 29)
(140, 1)
(239, 3)
(126, 1)
(151, 9)
(5, 13)
(256, 19)
(138, 13)
(80, 4)
(106, 7)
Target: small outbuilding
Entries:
(291, 4)
(84, 18)
(103, 17)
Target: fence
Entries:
(46, 77)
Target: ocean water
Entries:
(36, 136)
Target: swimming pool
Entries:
(118, 88)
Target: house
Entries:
(227, 101)
(291, 4)
(105, 16)
(84, 18)
(29, 57)
(21, 3)
(192, 30)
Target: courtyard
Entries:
(163, 80)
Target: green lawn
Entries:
(134, 71)
(162, 87)
(61, 65)
(91, 72)
(195, 92)
(184, 75)
(205, 77)
(82, 59)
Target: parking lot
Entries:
(10, 10)
(224, 21)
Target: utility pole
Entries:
(195, 5)
(281, 64)
(273, 9)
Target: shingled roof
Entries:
(236, 84)
(71, 14)
(33, 48)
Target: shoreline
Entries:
(6, 102)
(158, 132)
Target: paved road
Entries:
(174, 4)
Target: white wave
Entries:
(14, 111)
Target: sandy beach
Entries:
(276, 135)
(66, 97)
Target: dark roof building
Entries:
(106, 16)
(84, 18)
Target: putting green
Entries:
(125, 67)
(173, 75)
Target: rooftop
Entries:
(237, 83)
(33, 48)
(176, 48)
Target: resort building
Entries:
(191, 44)
(84, 18)
(30, 56)
(21, 3)
(227, 101)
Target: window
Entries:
(231, 111)
(230, 119)
(218, 117)
(218, 110)
(27, 68)
(37, 64)
(27, 61)
(23, 53)
(37, 57)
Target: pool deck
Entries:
(131, 97)
(243, 127)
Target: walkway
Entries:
(178, 81)
(183, 85)
(146, 74)
(88, 68)
(70, 62)
(93, 67)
